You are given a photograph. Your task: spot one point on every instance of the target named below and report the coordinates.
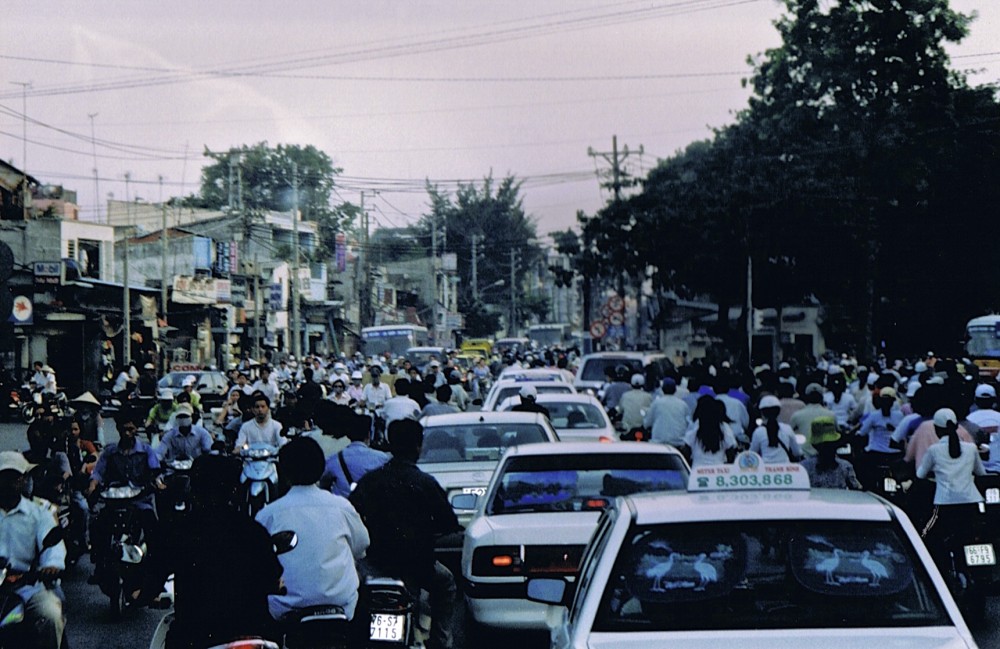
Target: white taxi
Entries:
(538, 513)
(512, 387)
(751, 557)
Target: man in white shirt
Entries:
(50, 381)
(266, 384)
(401, 406)
(375, 394)
(320, 569)
(261, 429)
(988, 419)
(668, 416)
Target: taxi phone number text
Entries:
(754, 480)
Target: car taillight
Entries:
(497, 561)
(513, 560)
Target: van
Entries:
(590, 374)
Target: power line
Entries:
(462, 40)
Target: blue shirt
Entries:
(360, 459)
(21, 532)
(177, 446)
(135, 467)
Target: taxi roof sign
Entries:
(748, 472)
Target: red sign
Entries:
(598, 329)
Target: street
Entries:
(90, 625)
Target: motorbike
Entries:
(176, 498)
(122, 569)
(394, 613)
(15, 589)
(259, 479)
(283, 542)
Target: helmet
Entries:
(528, 391)
(638, 380)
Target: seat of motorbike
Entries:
(324, 613)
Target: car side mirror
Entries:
(464, 501)
(548, 591)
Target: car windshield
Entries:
(763, 574)
(477, 442)
(575, 416)
(593, 370)
(578, 482)
(175, 379)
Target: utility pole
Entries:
(475, 269)
(293, 292)
(126, 293)
(97, 184)
(256, 307)
(24, 144)
(365, 306)
(512, 328)
(615, 158)
(163, 253)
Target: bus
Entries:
(395, 339)
(983, 344)
(550, 335)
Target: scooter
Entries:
(394, 613)
(122, 569)
(259, 478)
(175, 500)
(15, 589)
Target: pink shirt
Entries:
(924, 437)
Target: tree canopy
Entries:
(855, 176)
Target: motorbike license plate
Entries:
(981, 554)
(387, 628)
(992, 496)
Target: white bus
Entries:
(550, 335)
(395, 339)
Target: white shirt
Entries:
(400, 408)
(253, 433)
(668, 419)
(121, 383)
(50, 383)
(956, 484)
(701, 457)
(319, 570)
(269, 388)
(775, 454)
(375, 396)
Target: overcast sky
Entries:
(394, 92)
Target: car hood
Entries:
(922, 638)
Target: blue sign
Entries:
(274, 301)
(202, 249)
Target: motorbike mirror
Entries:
(90, 458)
(284, 541)
(53, 538)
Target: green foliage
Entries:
(492, 212)
(856, 174)
(266, 173)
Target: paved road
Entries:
(90, 625)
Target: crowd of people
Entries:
(369, 507)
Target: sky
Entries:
(396, 93)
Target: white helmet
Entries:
(638, 380)
(528, 391)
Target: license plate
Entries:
(981, 554)
(993, 495)
(479, 491)
(890, 486)
(388, 628)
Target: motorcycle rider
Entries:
(23, 526)
(267, 384)
(320, 570)
(146, 385)
(375, 394)
(186, 440)
(160, 414)
(223, 564)
(129, 461)
(405, 510)
(528, 394)
(262, 429)
(345, 468)
(634, 403)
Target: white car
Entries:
(590, 376)
(750, 557)
(576, 417)
(461, 451)
(511, 387)
(540, 510)
(533, 374)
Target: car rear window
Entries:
(765, 574)
(576, 416)
(514, 390)
(578, 482)
(476, 443)
(593, 369)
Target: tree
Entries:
(262, 176)
(503, 231)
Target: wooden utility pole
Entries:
(293, 291)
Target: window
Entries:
(476, 443)
(550, 483)
(767, 575)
